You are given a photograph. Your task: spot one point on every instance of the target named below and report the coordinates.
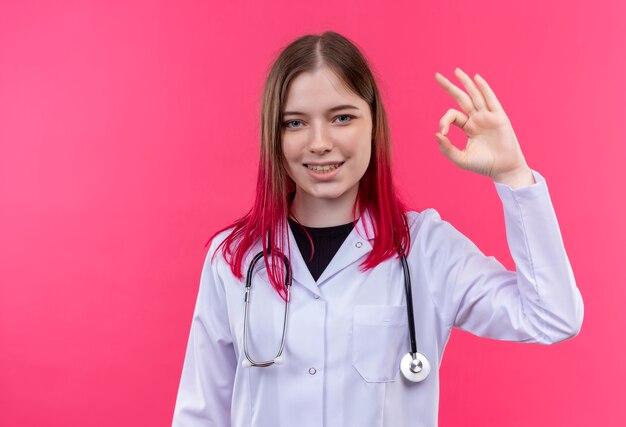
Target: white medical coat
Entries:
(348, 331)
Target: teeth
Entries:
(325, 168)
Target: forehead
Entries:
(320, 88)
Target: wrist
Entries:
(522, 177)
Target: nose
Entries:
(321, 142)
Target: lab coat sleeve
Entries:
(539, 302)
(206, 384)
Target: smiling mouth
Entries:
(324, 168)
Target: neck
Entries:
(315, 212)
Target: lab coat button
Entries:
(312, 371)
(358, 244)
(316, 297)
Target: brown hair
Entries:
(268, 216)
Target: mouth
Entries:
(327, 168)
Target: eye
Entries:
(287, 124)
(346, 116)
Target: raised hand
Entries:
(492, 148)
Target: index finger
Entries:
(462, 98)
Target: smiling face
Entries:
(326, 139)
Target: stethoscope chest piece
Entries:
(415, 367)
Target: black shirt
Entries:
(326, 242)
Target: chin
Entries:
(329, 194)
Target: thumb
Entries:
(449, 150)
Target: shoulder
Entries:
(418, 219)
(215, 255)
(218, 239)
(429, 231)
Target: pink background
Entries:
(127, 127)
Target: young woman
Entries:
(373, 286)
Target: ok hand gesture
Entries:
(492, 148)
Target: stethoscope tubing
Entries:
(414, 365)
(409, 303)
(288, 277)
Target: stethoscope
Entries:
(414, 365)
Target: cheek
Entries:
(287, 166)
(364, 167)
(290, 164)
(287, 154)
(365, 155)
(290, 149)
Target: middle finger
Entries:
(475, 93)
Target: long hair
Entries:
(267, 220)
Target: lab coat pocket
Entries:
(378, 333)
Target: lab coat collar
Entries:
(357, 245)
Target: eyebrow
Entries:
(330, 110)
